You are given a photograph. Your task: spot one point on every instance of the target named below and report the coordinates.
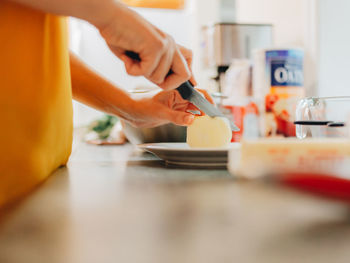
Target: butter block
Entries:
(208, 132)
(262, 157)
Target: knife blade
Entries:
(188, 92)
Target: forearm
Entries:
(93, 90)
(97, 12)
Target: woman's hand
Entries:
(125, 30)
(93, 90)
(164, 107)
(158, 52)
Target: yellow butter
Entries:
(261, 157)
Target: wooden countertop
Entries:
(113, 204)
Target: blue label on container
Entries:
(286, 67)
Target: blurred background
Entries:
(316, 26)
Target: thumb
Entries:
(132, 67)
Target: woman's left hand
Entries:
(164, 107)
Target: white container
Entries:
(278, 83)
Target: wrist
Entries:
(103, 12)
(120, 104)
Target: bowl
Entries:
(164, 133)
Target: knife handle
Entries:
(136, 57)
(185, 89)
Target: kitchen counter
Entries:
(115, 204)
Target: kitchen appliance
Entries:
(223, 42)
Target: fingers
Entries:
(165, 107)
(173, 108)
(132, 67)
(156, 67)
(145, 67)
(152, 55)
(178, 117)
(155, 63)
(157, 51)
(180, 72)
(193, 109)
(172, 99)
(160, 73)
(188, 55)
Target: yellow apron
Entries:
(35, 99)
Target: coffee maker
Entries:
(223, 42)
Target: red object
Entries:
(238, 113)
(285, 127)
(270, 100)
(322, 184)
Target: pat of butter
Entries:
(208, 132)
(262, 157)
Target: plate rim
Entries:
(196, 165)
(156, 146)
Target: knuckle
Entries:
(146, 71)
(131, 72)
(157, 79)
(171, 39)
(161, 44)
(189, 53)
(147, 75)
(187, 74)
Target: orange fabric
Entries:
(168, 4)
(35, 100)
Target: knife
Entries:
(188, 92)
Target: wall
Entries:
(334, 48)
(288, 18)
(294, 25)
(87, 43)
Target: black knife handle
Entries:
(136, 57)
(133, 55)
(185, 89)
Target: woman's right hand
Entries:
(158, 52)
(125, 30)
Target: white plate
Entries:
(180, 154)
